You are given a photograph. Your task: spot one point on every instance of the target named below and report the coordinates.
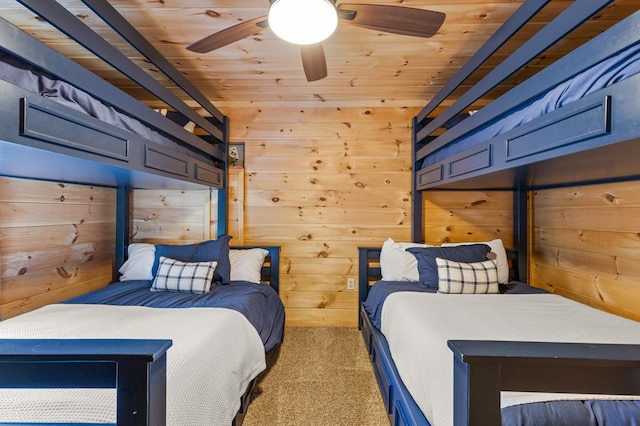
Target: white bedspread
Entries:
(418, 325)
(215, 354)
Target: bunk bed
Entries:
(61, 122)
(589, 137)
(77, 127)
(214, 344)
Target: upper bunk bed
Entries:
(63, 123)
(572, 122)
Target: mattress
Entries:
(258, 303)
(383, 289)
(21, 74)
(418, 325)
(215, 355)
(616, 68)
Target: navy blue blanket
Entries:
(569, 413)
(259, 303)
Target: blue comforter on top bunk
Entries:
(616, 68)
(259, 303)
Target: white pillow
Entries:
(139, 263)
(185, 277)
(501, 257)
(467, 278)
(396, 264)
(246, 264)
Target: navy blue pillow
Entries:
(426, 256)
(217, 250)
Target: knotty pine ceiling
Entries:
(365, 67)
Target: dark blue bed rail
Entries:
(73, 27)
(135, 368)
(564, 23)
(548, 151)
(483, 368)
(121, 156)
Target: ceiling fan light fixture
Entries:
(303, 21)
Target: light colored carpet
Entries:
(318, 377)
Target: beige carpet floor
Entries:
(318, 377)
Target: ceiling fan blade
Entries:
(229, 35)
(392, 19)
(314, 61)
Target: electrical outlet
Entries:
(351, 283)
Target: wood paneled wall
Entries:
(235, 206)
(172, 216)
(465, 216)
(321, 181)
(586, 245)
(56, 241)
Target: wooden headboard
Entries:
(369, 269)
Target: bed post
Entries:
(122, 227)
(416, 199)
(222, 192)
(521, 229)
(222, 211)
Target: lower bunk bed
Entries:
(217, 333)
(501, 352)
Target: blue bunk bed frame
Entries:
(68, 146)
(607, 152)
(41, 139)
(135, 368)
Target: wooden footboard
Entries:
(401, 407)
(135, 368)
(483, 368)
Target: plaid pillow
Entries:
(174, 275)
(467, 278)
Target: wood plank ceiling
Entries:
(365, 67)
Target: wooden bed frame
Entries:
(64, 145)
(515, 161)
(135, 368)
(570, 134)
(483, 368)
(69, 146)
(593, 140)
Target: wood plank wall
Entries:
(465, 216)
(235, 206)
(586, 245)
(172, 216)
(321, 180)
(56, 241)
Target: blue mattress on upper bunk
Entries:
(616, 68)
(259, 303)
(19, 73)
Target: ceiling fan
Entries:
(308, 22)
